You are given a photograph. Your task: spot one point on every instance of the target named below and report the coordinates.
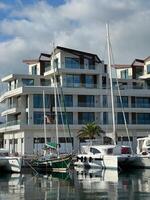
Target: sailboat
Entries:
(107, 156)
(52, 160)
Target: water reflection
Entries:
(77, 184)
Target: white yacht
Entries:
(9, 163)
(104, 156)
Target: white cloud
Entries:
(76, 24)
(3, 6)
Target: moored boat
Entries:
(104, 156)
(9, 163)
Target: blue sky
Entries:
(28, 27)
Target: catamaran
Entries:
(107, 156)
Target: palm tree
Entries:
(90, 130)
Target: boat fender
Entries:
(144, 153)
(85, 159)
(82, 159)
(90, 159)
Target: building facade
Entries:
(84, 80)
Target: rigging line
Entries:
(122, 107)
(57, 95)
(63, 101)
(105, 49)
(59, 102)
(111, 85)
(44, 114)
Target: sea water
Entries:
(76, 184)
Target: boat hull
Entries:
(10, 164)
(53, 165)
(111, 161)
(97, 162)
(141, 162)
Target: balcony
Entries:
(10, 126)
(80, 85)
(141, 105)
(11, 93)
(86, 104)
(11, 123)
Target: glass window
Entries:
(68, 100)
(65, 140)
(142, 102)
(56, 63)
(34, 70)
(38, 100)
(86, 101)
(76, 81)
(86, 117)
(45, 82)
(68, 80)
(73, 63)
(143, 118)
(89, 63)
(89, 81)
(72, 80)
(38, 117)
(124, 101)
(28, 81)
(105, 68)
(94, 151)
(120, 118)
(133, 118)
(124, 74)
(104, 82)
(139, 71)
(67, 118)
(105, 102)
(46, 65)
(105, 117)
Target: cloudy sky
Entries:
(28, 27)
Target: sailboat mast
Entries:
(55, 98)
(44, 117)
(111, 85)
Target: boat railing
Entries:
(92, 142)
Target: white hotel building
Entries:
(85, 82)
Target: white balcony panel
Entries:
(9, 111)
(73, 71)
(37, 89)
(9, 128)
(11, 93)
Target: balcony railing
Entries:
(10, 123)
(141, 105)
(72, 66)
(86, 104)
(80, 85)
(13, 105)
(89, 67)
